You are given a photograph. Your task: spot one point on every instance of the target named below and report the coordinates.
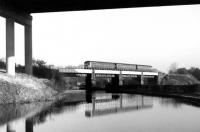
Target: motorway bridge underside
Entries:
(20, 11)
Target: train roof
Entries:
(118, 63)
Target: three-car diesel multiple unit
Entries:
(115, 66)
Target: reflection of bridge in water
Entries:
(117, 104)
(11, 127)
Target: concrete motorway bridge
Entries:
(20, 11)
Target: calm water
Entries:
(103, 113)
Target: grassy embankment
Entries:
(46, 84)
(24, 89)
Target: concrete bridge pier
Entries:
(115, 81)
(88, 81)
(156, 80)
(24, 19)
(93, 78)
(142, 79)
(28, 49)
(120, 79)
(10, 46)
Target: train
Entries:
(99, 65)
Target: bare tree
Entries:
(173, 67)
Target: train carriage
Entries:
(144, 67)
(126, 67)
(98, 65)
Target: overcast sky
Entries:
(158, 36)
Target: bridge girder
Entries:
(18, 16)
(39, 6)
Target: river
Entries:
(103, 112)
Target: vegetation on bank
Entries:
(45, 84)
(181, 76)
(194, 71)
(179, 79)
(23, 88)
(43, 71)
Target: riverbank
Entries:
(179, 79)
(188, 93)
(23, 88)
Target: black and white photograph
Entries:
(99, 65)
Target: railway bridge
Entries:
(115, 75)
(20, 11)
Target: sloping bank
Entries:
(23, 89)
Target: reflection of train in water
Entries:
(115, 66)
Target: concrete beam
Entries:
(10, 46)
(17, 16)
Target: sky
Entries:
(157, 36)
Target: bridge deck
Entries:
(109, 72)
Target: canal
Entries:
(103, 112)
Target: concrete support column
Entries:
(88, 81)
(28, 49)
(156, 80)
(10, 46)
(93, 77)
(115, 81)
(142, 79)
(120, 79)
